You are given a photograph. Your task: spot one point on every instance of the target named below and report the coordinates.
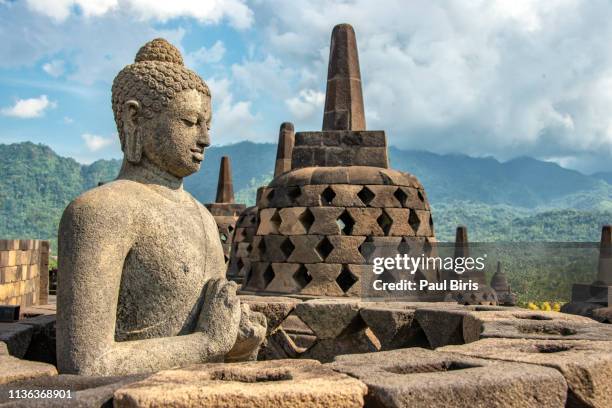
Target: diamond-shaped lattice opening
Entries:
(239, 264)
(276, 219)
(225, 258)
(262, 246)
(223, 237)
(287, 247)
(403, 248)
(387, 277)
(270, 195)
(327, 196)
(414, 221)
(420, 195)
(366, 249)
(294, 192)
(250, 248)
(346, 279)
(230, 228)
(268, 275)
(345, 223)
(385, 222)
(366, 195)
(401, 196)
(306, 219)
(302, 276)
(253, 219)
(324, 248)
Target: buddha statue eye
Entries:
(189, 122)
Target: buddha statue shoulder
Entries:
(141, 279)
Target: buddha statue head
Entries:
(162, 111)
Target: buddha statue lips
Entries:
(141, 271)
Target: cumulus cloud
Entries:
(307, 104)
(29, 108)
(55, 68)
(232, 120)
(204, 55)
(96, 143)
(211, 11)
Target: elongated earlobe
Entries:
(133, 140)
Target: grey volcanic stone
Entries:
(14, 369)
(416, 377)
(279, 383)
(85, 391)
(17, 338)
(328, 318)
(586, 365)
(141, 279)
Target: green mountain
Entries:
(522, 199)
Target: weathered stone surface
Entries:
(359, 341)
(323, 281)
(345, 249)
(43, 345)
(290, 221)
(85, 391)
(269, 221)
(416, 377)
(14, 369)
(283, 281)
(144, 238)
(328, 318)
(458, 326)
(603, 315)
(286, 139)
(394, 328)
(305, 249)
(365, 220)
(325, 220)
(278, 248)
(279, 383)
(585, 365)
(17, 337)
(275, 309)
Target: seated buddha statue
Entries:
(141, 280)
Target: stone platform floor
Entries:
(352, 353)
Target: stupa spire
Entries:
(343, 98)
(462, 249)
(286, 139)
(604, 272)
(225, 187)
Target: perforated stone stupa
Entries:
(224, 209)
(339, 195)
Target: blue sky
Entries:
(481, 77)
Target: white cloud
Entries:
(205, 55)
(307, 104)
(207, 11)
(68, 120)
(55, 68)
(29, 108)
(95, 143)
(232, 121)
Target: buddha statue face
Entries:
(173, 140)
(162, 110)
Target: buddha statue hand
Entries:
(251, 333)
(221, 315)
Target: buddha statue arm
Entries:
(93, 245)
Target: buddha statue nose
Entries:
(204, 139)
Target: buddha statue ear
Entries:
(133, 139)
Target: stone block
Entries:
(8, 258)
(585, 365)
(14, 369)
(276, 309)
(603, 315)
(360, 341)
(345, 249)
(269, 221)
(17, 337)
(325, 220)
(311, 195)
(399, 226)
(291, 223)
(365, 221)
(259, 278)
(395, 328)
(323, 281)
(425, 224)
(43, 345)
(278, 383)
(278, 248)
(305, 249)
(338, 177)
(283, 281)
(591, 293)
(415, 377)
(329, 318)
(86, 391)
(384, 196)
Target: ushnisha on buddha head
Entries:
(162, 110)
